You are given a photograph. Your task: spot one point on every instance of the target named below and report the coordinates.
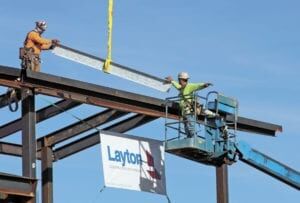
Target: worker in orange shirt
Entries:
(30, 56)
(33, 45)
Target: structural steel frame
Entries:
(73, 93)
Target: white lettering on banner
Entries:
(133, 163)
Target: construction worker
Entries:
(30, 56)
(187, 101)
(33, 45)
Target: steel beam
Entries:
(93, 139)
(80, 127)
(47, 174)
(28, 136)
(11, 149)
(106, 97)
(41, 115)
(222, 184)
(64, 133)
(17, 185)
(259, 127)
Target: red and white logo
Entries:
(152, 172)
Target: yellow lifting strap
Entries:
(106, 66)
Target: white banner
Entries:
(133, 163)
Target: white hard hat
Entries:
(183, 75)
(41, 24)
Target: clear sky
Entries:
(248, 49)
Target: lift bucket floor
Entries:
(189, 148)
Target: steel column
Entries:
(47, 175)
(28, 136)
(222, 184)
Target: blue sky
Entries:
(248, 49)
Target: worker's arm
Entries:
(35, 37)
(46, 46)
(176, 84)
(169, 80)
(197, 86)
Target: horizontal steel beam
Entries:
(64, 133)
(17, 185)
(254, 126)
(93, 139)
(41, 115)
(11, 149)
(106, 97)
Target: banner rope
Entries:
(72, 115)
(102, 189)
(168, 198)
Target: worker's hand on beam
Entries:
(168, 79)
(55, 42)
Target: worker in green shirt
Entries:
(186, 103)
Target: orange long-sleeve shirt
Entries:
(38, 43)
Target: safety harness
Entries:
(27, 55)
(190, 104)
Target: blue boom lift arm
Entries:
(268, 165)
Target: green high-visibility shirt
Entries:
(186, 94)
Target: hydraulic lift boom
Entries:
(268, 165)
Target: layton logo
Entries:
(150, 161)
(125, 157)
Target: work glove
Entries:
(55, 42)
(208, 84)
(168, 80)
